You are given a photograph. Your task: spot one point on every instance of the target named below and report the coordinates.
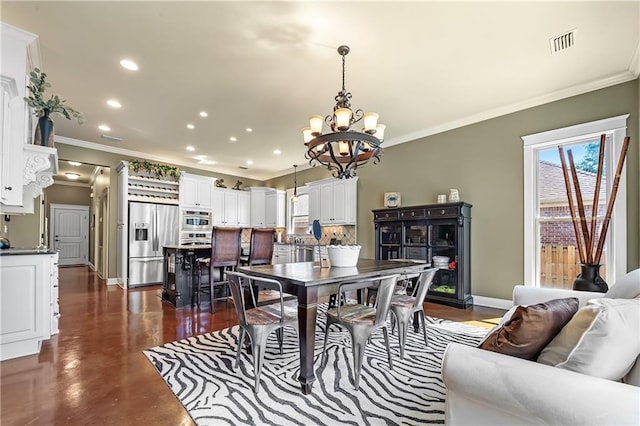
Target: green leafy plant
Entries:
(160, 170)
(38, 84)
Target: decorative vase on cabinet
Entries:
(44, 130)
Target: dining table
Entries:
(309, 282)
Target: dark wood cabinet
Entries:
(422, 232)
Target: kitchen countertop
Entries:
(189, 247)
(26, 251)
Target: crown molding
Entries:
(623, 77)
(519, 106)
(69, 183)
(138, 154)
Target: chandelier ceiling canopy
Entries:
(343, 150)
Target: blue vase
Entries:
(44, 130)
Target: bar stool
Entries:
(225, 253)
(261, 249)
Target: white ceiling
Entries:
(424, 67)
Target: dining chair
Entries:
(261, 247)
(361, 320)
(404, 306)
(225, 255)
(258, 323)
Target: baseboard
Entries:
(491, 302)
(112, 281)
(91, 266)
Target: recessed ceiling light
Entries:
(190, 126)
(190, 148)
(249, 162)
(207, 162)
(249, 129)
(72, 176)
(113, 103)
(203, 114)
(128, 64)
(233, 139)
(277, 152)
(104, 128)
(74, 163)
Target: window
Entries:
(298, 213)
(551, 258)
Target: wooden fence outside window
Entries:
(560, 265)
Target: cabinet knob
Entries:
(8, 188)
(413, 213)
(442, 211)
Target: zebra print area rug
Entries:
(199, 371)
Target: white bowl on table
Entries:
(343, 256)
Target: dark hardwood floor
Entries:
(94, 372)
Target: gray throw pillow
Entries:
(627, 287)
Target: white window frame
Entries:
(616, 128)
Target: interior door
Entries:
(70, 230)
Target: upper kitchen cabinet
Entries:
(20, 168)
(267, 207)
(274, 208)
(230, 208)
(196, 191)
(333, 201)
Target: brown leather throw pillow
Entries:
(531, 328)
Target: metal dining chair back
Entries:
(404, 306)
(258, 323)
(361, 320)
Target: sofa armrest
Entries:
(525, 295)
(485, 387)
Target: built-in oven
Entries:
(194, 220)
(195, 238)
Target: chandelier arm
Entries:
(336, 163)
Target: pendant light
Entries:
(294, 199)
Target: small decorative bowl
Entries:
(343, 256)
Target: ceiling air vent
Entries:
(562, 42)
(243, 167)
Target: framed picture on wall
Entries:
(392, 199)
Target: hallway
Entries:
(94, 372)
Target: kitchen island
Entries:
(180, 272)
(29, 309)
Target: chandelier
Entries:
(343, 150)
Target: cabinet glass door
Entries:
(442, 250)
(415, 240)
(390, 240)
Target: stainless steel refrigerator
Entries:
(151, 226)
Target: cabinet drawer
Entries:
(416, 253)
(413, 213)
(391, 215)
(442, 212)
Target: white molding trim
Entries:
(113, 281)
(62, 182)
(615, 128)
(623, 77)
(491, 302)
(634, 67)
(519, 106)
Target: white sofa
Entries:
(488, 388)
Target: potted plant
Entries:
(43, 108)
(161, 171)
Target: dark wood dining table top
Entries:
(311, 274)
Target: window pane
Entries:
(559, 260)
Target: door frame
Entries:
(85, 230)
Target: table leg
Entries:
(307, 312)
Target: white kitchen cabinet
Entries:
(196, 191)
(14, 115)
(258, 209)
(29, 308)
(333, 201)
(230, 208)
(275, 208)
(283, 253)
(267, 207)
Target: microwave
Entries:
(193, 220)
